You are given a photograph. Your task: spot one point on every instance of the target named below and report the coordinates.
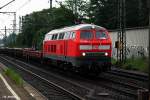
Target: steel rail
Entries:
(51, 83)
(133, 75)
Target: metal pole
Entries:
(50, 2)
(149, 45)
(124, 29)
(14, 23)
(121, 50)
(5, 36)
(19, 24)
(118, 26)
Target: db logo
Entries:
(95, 47)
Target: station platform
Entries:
(10, 91)
(5, 92)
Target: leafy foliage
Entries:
(1, 42)
(10, 40)
(104, 13)
(136, 13)
(37, 24)
(81, 6)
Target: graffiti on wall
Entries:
(133, 51)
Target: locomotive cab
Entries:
(94, 49)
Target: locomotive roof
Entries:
(76, 27)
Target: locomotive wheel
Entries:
(107, 67)
(60, 66)
(65, 67)
(83, 70)
(95, 69)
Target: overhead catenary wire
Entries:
(23, 5)
(7, 4)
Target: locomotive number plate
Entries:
(95, 47)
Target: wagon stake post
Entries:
(143, 94)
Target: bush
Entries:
(140, 64)
(14, 76)
(113, 61)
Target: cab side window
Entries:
(61, 35)
(48, 37)
(54, 36)
(67, 34)
(72, 35)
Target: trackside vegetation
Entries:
(134, 63)
(14, 76)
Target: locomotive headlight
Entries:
(106, 54)
(83, 54)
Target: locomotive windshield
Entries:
(101, 35)
(86, 35)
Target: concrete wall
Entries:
(137, 42)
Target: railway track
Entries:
(107, 86)
(131, 82)
(126, 86)
(50, 89)
(130, 74)
(136, 80)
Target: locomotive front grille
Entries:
(95, 54)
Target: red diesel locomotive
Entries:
(85, 47)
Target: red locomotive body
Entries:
(83, 46)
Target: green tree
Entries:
(37, 24)
(38, 38)
(104, 13)
(11, 40)
(78, 7)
